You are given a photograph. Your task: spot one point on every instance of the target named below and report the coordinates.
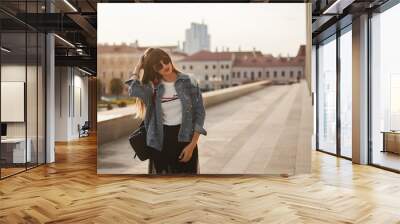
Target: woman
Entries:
(171, 104)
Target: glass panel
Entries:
(13, 86)
(22, 63)
(14, 5)
(385, 86)
(327, 97)
(346, 94)
(22, 6)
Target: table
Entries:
(13, 150)
(391, 141)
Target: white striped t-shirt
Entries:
(171, 105)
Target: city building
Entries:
(211, 69)
(118, 62)
(196, 38)
(216, 70)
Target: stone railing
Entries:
(120, 122)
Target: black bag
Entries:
(138, 142)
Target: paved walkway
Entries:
(264, 132)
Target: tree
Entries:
(116, 86)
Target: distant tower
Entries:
(196, 38)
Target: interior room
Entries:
(22, 100)
(47, 90)
(349, 92)
(385, 89)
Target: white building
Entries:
(196, 38)
(278, 70)
(216, 70)
(212, 69)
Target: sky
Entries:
(273, 28)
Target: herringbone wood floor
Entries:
(70, 191)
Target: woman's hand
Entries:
(187, 152)
(140, 63)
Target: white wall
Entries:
(61, 103)
(33, 125)
(71, 94)
(12, 73)
(80, 96)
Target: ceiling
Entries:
(74, 22)
(328, 16)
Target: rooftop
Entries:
(248, 58)
(133, 48)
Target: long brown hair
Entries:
(152, 57)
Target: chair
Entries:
(84, 130)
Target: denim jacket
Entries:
(193, 112)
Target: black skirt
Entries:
(167, 161)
